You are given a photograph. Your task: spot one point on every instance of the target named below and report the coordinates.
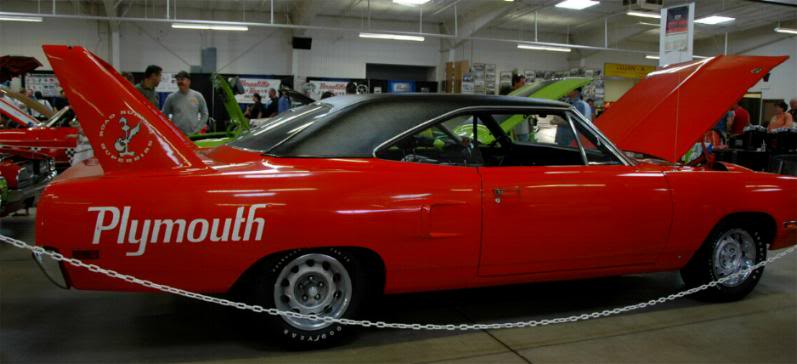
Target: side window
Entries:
(538, 138)
(594, 148)
(446, 143)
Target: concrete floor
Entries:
(40, 323)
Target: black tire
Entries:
(701, 268)
(265, 284)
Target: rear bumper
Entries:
(52, 269)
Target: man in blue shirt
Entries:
(574, 98)
(564, 134)
(284, 102)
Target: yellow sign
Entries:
(636, 71)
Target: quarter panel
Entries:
(378, 205)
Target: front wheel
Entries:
(728, 251)
(326, 282)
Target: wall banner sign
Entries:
(635, 71)
(676, 37)
(46, 83)
(315, 88)
(256, 85)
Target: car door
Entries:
(565, 203)
(433, 179)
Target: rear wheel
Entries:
(728, 251)
(325, 282)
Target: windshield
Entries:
(282, 127)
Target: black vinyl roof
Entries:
(353, 126)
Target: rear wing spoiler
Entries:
(128, 134)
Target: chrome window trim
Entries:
(609, 144)
(455, 112)
(571, 122)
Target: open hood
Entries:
(18, 116)
(667, 112)
(551, 89)
(541, 89)
(27, 101)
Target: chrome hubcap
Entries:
(313, 284)
(734, 252)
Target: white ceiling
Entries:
(520, 15)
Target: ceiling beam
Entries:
(477, 19)
(304, 13)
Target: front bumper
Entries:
(34, 190)
(52, 269)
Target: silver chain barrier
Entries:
(381, 324)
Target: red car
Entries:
(56, 138)
(25, 174)
(332, 202)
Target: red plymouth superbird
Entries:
(56, 138)
(327, 204)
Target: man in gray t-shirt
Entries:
(186, 108)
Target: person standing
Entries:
(781, 119)
(518, 81)
(152, 78)
(741, 119)
(722, 126)
(284, 102)
(272, 109)
(186, 107)
(255, 111)
(40, 99)
(574, 98)
(793, 110)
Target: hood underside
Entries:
(669, 110)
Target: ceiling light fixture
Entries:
(543, 48)
(237, 28)
(29, 19)
(644, 14)
(410, 2)
(577, 4)
(414, 38)
(786, 30)
(650, 56)
(714, 20)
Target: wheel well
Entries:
(761, 222)
(374, 265)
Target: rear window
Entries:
(282, 127)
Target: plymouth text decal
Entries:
(151, 231)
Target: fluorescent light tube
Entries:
(577, 4)
(644, 14)
(543, 48)
(650, 56)
(786, 30)
(414, 38)
(238, 28)
(30, 19)
(410, 2)
(715, 19)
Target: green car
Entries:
(539, 89)
(238, 122)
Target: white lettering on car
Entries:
(151, 231)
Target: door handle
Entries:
(500, 193)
